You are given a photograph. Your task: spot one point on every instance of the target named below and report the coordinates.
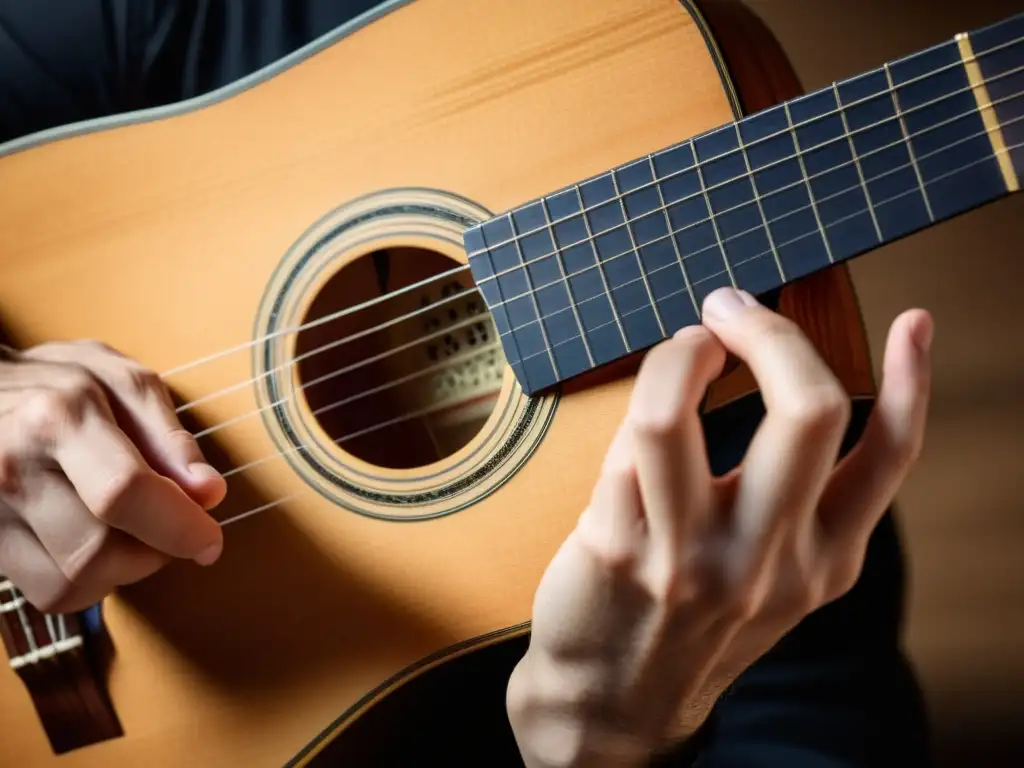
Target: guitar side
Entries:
(182, 225)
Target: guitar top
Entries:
(400, 301)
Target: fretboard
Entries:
(620, 261)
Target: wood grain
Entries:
(160, 238)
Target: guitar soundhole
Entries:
(412, 378)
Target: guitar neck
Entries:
(616, 263)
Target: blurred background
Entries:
(963, 507)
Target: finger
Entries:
(143, 409)
(27, 564)
(612, 525)
(866, 481)
(119, 488)
(668, 441)
(90, 554)
(794, 450)
(71, 425)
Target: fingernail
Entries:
(726, 303)
(203, 471)
(209, 555)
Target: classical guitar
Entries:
(400, 300)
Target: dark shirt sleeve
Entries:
(836, 693)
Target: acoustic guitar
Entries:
(400, 299)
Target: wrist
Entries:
(559, 723)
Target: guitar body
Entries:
(175, 234)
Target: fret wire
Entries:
(568, 286)
(671, 236)
(799, 153)
(711, 212)
(639, 261)
(600, 270)
(783, 216)
(810, 189)
(814, 232)
(910, 145)
(533, 296)
(760, 208)
(856, 162)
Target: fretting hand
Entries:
(675, 581)
(99, 483)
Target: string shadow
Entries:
(276, 609)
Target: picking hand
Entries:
(675, 581)
(99, 483)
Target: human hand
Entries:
(99, 483)
(674, 581)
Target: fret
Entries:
(674, 299)
(906, 137)
(946, 130)
(620, 271)
(616, 263)
(690, 220)
(776, 171)
(597, 314)
(653, 311)
(552, 298)
(760, 207)
(539, 370)
(999, 49)
(884, 155)
(856, 162)
(720, 173)
(802, 163)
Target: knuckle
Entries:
(109, 504)
(49, 413)
(771, 329)
(85, 555)
(140, 382)
(655, 423)
(823, 409)
(664, 585)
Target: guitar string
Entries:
(811, 121)
(913, 189)
(916, 188)
(591, 239)
(752, 175)
(564, 280)
(791, 128)
(55, 636)
(859, 186)
(60, 633)
(56, 629)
